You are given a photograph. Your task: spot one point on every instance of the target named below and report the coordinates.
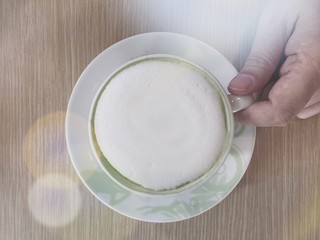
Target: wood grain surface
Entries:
(44, 47)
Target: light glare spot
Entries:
(54, 200)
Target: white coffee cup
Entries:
(231, 104)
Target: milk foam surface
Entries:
(160, 123)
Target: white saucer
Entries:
(165, 209)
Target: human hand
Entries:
(288, 40)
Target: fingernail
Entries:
(242, 82)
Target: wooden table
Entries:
(44, 47)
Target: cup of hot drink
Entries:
(161, 125)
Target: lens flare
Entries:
(44, 146)
(54, 200)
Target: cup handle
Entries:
(239, 103)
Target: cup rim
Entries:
(130, 185)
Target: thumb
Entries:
(273, 31)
